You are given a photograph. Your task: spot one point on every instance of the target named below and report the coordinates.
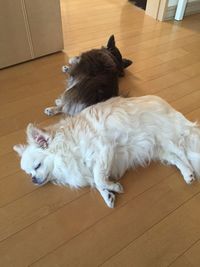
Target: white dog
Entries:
(98, 145)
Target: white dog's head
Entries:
(35, 159)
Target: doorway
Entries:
(139, 3)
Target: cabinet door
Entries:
(44, 18)
(14, 43)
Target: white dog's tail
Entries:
(193, 149)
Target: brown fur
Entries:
(93, 78)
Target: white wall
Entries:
(175, 2)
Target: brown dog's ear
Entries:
(19, 149)
(126, 62)
(37, 136)
(111, 42)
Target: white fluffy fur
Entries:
(106, 139)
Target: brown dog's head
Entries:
(96, 61)
(122, 63)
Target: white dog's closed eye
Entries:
(38, 165)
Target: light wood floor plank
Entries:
(78, 216)
(172, 235)
(191, 257)
(110, 235)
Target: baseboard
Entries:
(191, 8)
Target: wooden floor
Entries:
(156, 222)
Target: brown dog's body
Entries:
(93, 78)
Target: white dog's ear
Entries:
(19, 149)
(37, 136)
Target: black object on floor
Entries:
(139, 3)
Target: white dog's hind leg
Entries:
(108, 197)
(185, 169)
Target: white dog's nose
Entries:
(34, 180)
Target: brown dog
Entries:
(93, 78)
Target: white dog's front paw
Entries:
(190, 178)
(118, 188)
(115, 187)
(49, 111)
(110, 199)
(65, 68)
